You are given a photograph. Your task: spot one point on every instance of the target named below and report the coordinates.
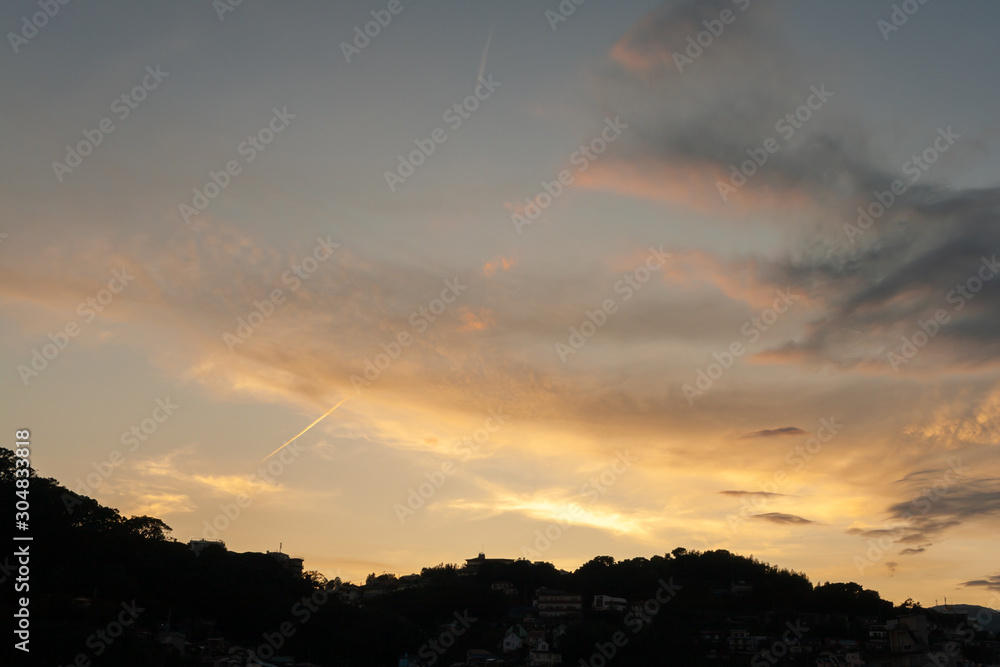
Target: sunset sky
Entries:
(576, 316)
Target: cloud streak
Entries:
(781, 518)
(770, 433)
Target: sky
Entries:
(566, 280)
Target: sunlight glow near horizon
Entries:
(471, 396)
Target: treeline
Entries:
(89, 563)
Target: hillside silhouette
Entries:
(89, 563)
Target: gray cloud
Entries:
(876, 294)
(771, 432)
(940, 500)
(778, 517)
(871, 292)
(928, 516)
(918, 475)
(765, 494)
(991, 583)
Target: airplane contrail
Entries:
(321, 418)
(482, 61)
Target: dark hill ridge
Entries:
(973, 611)
(90, 566)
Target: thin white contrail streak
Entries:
(482, 61)
(321, 418)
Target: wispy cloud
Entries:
(763, 494)
(778, 517)
(772, 432)
(991, 583)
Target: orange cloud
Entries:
(491, 267)
(737, 280)
(476, 322)
(631, 59)
(969, 418)
(161, 504)
(692, 186)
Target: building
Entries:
(554, 604)
(472, 565)
(536, 639)
(741, 641)
(198, 545)
(606, 602)
(350, 593)
(544, 659)
(514, 639)
(293, 565)
(908, 633)
(878, 638)
(504, 587)
(910, 643)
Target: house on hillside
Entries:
(555, 604)
(606, 602)
(198, 545)
(349, 593)
(741, 588)
(536, 639)
(472, 565)
(741, 641)
(504, 587)
(293, 565)
(538, 658)
(514, 639)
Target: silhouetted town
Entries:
(131, 595)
